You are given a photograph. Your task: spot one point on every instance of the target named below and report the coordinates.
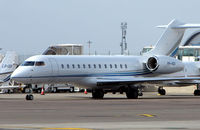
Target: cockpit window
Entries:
(28, 63)
(39, 63)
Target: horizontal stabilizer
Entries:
(182, 26)
(162, 26)
(186, 26)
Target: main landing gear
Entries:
(30, 91)
(132, 93)
(97, 93)
(197, 91)
(161, 91)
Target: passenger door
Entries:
(54, 69)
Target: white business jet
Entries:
(113, 73)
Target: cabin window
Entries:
(126, 66)
(73, 66)
(94, 66)
(121, 66)
(84, 66)
(28, 63)
(79, 66)
(89, 66)
(99, 66)
(105, 66)
(39, 63)
(67, 66)
(62, 66)
(111, 66)
(115, 66)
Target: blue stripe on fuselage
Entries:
(96, 75)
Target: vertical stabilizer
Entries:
(171, 38)
(9, 63)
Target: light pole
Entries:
(89, 42)
(123, 41)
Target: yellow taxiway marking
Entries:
(147, 115)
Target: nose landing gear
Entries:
(30, 91)
(29, 97)
(132, 93)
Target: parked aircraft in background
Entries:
(9, 63)
(114, 73)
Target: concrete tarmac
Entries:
(77, 111)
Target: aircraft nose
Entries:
(18, 75)
(15, 75)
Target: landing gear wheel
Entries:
(161, 91)
(97, 93)
(29, 97)
(132, 93)
(196, 92)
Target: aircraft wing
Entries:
(134, 80)
(188, 82)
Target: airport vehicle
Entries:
(114, 73)
(62, 88)
(54, 88)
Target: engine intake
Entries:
(152, 64)
(164, 64)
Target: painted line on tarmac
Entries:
(66, 129)
(147, 115)
(41, 128)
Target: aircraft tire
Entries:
(132, 93)
(196, 92)
(162, 91)
(29, 97)
(97, 94)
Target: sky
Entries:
(30, 26)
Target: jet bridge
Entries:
(60, 49)
(64, 49)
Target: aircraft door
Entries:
(54, 67)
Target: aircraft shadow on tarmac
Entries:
(149, 97)
(78, 97)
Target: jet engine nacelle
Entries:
(164, 64)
